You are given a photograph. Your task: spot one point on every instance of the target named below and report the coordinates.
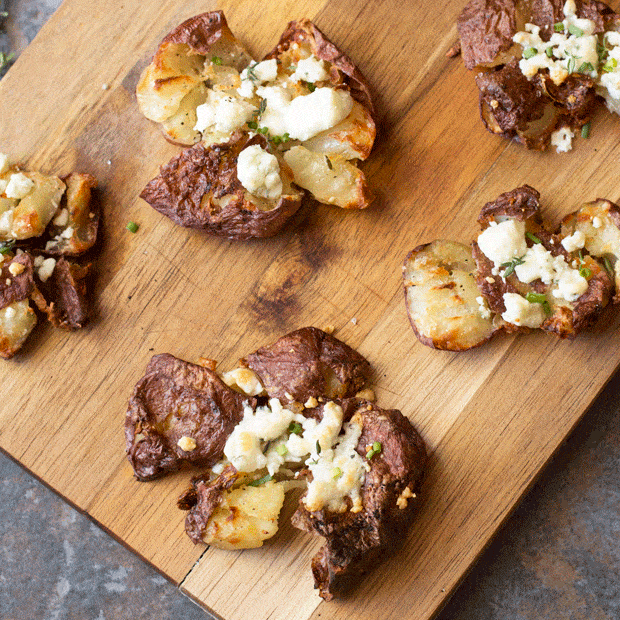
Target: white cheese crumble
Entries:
(503, 242)
(483, 308)
(597, 222)
(305, 116)
(519, 311)
(310, 69)
(6, 222)
(562, 139)
(62, 218)
(259, 172)
(46, 269)
(222, 113)
(255, 74)
(263, 440)
(574, 242)
(3, 184)
(609, 83)
(569, 52)
(19, 186)
(4, 163)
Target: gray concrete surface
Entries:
(557, 557)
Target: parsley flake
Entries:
(558, 27)
(295, 428)
(577, 32)
(610, 65)
(538, 298)
(549, 52)
(216, 60)
(585, 130)
(6, 246)
(533, 238)
(529, 52)
(375, 449)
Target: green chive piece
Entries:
(585, 66)
(585, 130)
(375, 449)
(337, 472)
(610, 65)
(262, 106)
(132, 227)
(318, 447)
(536, 298)
(570, 66)
(281, 449)
(533, 238)
(6, 246)
(549, 52)
(558, 27)
(310, 86)
(608, 267)
(529, 52)
(546, 308)
(252, 125)
(584, 272)
(577, 32)
(216, 60)
(295, 428)
(257, 483)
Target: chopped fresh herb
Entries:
(6, 246)
(329, 163)
(293, 68)
(216, 60)
(533, 238)
(610, 65)
(537, 298)
(318, 447)
(280, 139)
(549, 52)
(529, 52)
(375, 449)
(251, 69)
(281, 449)
(252, 125)
(263, 130)
(5, 59)
(584, 272)
(337, 472)
(310, 86)
(558, 27)
(257, 483)
(132, 227)
(577, 32)
(585, 130)
(585, 66)
(608, 267)
(510, 266)
(570, 66)
(295, 428)
(262, 106)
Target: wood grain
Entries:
(492, 417)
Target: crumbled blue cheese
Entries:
(519, 311)
(262, 441)
(506, 241)
(503, 242)
(574, 242)
(222, 113)
(568, 51)
(310, 69)
(19, 186)
(259, 172)
(609, 82)
(562, 139)
(305, 116)
(255, 74)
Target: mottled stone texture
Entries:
(557, 557)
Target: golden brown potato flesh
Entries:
(246, 516)
(443, 301)
(27, 216)
(16, 323)
(599, 221)
(330, 180)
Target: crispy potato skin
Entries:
(189, 187)
(176, 399)
(355, 542)
(19, 287)
(303, 31)
(309, 363)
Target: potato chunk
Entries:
(16, 323)
(443, 300)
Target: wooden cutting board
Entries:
(491, 417)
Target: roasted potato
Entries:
(443, 302)
(599, 221)
(522, 53)
(179, 413)
(200, 188)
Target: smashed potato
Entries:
(525, 276)
(306, 99)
